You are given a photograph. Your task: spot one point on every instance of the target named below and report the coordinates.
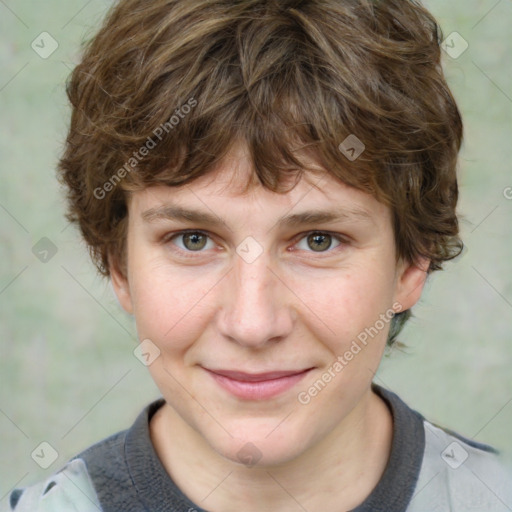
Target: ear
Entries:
(410, 280)
(121, 285)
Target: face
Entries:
(270, 323)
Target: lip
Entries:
(257, 386)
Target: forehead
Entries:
(233, 182)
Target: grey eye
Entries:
(318, 242)
(193, 241)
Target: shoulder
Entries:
(71, 489)
(99, 478)
(436, 469)
(460, 473)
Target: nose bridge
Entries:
(252, 281)
(253, 307)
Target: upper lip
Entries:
(256, 377)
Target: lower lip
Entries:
(261, 390)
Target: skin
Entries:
(293, 307)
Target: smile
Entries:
(257, 386)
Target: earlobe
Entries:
(410, 282)
(121, 286)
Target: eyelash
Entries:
(191, 254)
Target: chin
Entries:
(257, 455)
(254, 446)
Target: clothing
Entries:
(430, 469)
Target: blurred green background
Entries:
(67, 369)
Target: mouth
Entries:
(257, 386)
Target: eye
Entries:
(195, 241)
(192, 241)
(319, 241)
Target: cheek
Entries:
(169, 305)
(346, 302)
(349, 324)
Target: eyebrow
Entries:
(309, 217)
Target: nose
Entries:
(255, 310)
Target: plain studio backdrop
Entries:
(68, 373)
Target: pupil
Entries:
(318, 241)
(318, 238)
(193, 238)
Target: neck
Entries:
(338, 472)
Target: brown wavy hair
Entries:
(165, 87)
